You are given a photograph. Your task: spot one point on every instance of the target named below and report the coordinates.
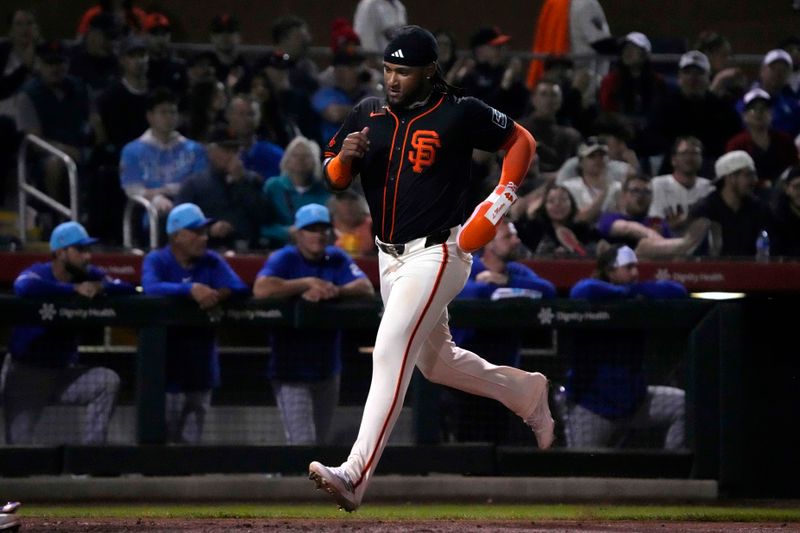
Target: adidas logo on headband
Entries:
(398, 53)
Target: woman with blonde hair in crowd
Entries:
(299, 184)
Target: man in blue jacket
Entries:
(42, 367)
(186, 268)
(607, 388)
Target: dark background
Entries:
(753, 27)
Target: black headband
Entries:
(412, 46)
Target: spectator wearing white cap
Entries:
(633, 86)
(776, 67)
(772, 150)
(737, 216)
(607, 389)
(594, 189)
(692, 110)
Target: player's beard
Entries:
(420, 94)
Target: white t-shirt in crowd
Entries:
(584, 195)
(373, 18)
(669, 195)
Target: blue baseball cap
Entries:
(186, 216)
(69, 234)
(312, 214)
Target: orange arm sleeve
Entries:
(481, 227)
(339, 174)
(520, 149)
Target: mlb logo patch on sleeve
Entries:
(499, 118)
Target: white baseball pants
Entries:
(416, 288)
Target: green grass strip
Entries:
(698, 513)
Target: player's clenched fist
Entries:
(354, 146)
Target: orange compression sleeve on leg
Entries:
(339, 173)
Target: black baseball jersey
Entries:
(415, 174)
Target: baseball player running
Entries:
(413, 153)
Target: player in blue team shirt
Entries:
(43, 365)
(607, 388)
(186, 268)
(305, 366)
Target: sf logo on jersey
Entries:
(425, 143)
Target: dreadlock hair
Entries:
(440, 84)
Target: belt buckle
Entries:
(394, 249)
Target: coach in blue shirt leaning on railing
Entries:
(42, 366)
(305, 366)
(186, 268)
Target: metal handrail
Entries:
(127, 220)
(25, 189)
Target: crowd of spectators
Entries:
(218, 127)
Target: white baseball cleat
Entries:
(540, 419)
(335, 481)
(9, 521)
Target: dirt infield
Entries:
(376, 526)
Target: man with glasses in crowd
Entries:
(675, 193)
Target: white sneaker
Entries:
(540, 420)
(9, 521)
(335, 481)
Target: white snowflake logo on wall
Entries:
(47, 311)
(545, 316)
(662, 274)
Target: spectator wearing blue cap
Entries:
(305, 366)
(42, 367)
(185, 268)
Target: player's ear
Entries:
(429, 71)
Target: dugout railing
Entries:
(714, 336)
